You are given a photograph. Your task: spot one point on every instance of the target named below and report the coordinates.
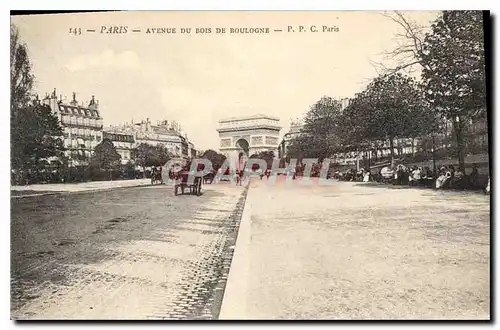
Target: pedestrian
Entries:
(474, 176)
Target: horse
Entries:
(156, 177)
(209, 177)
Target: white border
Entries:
(185, 5)
(252, 5)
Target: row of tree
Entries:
(396, 106)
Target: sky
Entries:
(197, 79)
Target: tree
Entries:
(105, 156)
(392, 107)
(158, 156)
(146, 155)
(21, 78)
(318, 138)
(35, 135)
(217, 159)
(407, 55)
(454, 71)
(267, 155)
(141, 154)
(35, 132)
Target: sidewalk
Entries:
(352, 251)
(77, 187)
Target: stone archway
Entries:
(243, 145)
(243, 149)
(241, 137)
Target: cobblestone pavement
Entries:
(136, 253)
(361, 251)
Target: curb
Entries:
(233, 306)
(80, 191)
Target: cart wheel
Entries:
(176, 190)
(198, 191)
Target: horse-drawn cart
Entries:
(156, 177)
(182, 182)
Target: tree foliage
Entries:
(268, 156)
(105, 156)
(35, 135)
(21, 77)
(454, 71)
(454, 54)
(217, 159)
(320, 124)
(391, 107)
(147, 155)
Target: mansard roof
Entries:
(67, 109)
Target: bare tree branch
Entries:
(409, 47)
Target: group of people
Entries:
(351, 175)
(415, 175)
(447, 177)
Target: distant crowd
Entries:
(446, 177)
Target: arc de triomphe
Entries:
(241, 137)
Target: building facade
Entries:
(295, 131)
(241, 137)
(124, 144)
(165, 133)
(82, 126)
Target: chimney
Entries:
(54, 94)
(73, 101)
(93, 104)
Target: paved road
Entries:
(360, 251)
(133, 253)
